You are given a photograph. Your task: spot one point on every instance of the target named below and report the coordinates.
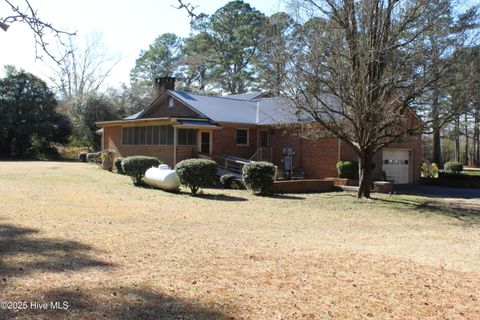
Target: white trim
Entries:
(199, 140)
(175, 135)
(248, 137)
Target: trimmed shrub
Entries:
(107, 159)
(196, 173)
(453, 167)
(82, 156)
(136, 166)
(347, 169)
(258, 176)
(118, 165)
(94, 157)
(227, 180)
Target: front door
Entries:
(205, 142)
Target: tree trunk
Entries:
(437, 147)
(467, 158)
(476, 142)
(365, 160)
(457, 139)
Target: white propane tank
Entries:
(162, 177)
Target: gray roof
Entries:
(233, 110)
(134, 116)
(246, 96)
(243, 108)
(196, 123)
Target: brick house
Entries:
(236, 129)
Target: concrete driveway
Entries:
(438, 192)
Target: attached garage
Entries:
(397, 164)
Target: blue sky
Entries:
(125, 26)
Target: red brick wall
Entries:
(161, 109)
(224, 142)
(414, 144)
(302, 186)
(164, 153)
(317, 158)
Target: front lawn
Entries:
(73, 232)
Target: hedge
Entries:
(117, 163)
(136, 166)
(93, 157)
(347, 169)
(453, 167)
(196, 173)
(227, 180)
(82, 156)
(259, 176)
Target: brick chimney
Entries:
(163, 84)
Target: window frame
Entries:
(248, 137)
(170, 102)
(131, 135)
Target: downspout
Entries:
(257, 118)
(301, 153)
(174, 146)
(339, 149)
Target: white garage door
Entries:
(396, 164)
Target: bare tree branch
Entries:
(188, 7)
(40, 28)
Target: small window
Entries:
(385, 161)
(242, 137)
(171, 102)
(405, 161)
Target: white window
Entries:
(171, 102)
(242, 137)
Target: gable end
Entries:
(160, 108)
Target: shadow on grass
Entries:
(464, 212)
(200, 194)
(217, 197)
(23, 252)
(284, 196)
(117, 303)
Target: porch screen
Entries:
(148, 135)
(187, 137)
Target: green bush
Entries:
(453, 167)
(82, 156)
(258, 176)
(107, 159)
(94, 157)
(136, 166)
(196, 173)
(227, 180)
(347, 169)
(118, 165)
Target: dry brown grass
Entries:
(70, 231)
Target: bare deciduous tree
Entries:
(28, 15)
(84, 70)
(188, 7)
(352, 71)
